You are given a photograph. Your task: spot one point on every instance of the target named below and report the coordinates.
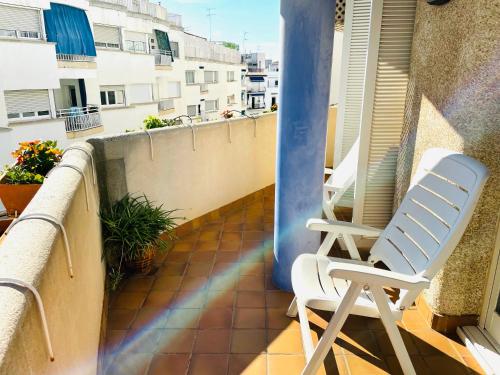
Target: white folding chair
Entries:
(414, 247)
(339, 181)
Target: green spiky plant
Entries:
(131, 226)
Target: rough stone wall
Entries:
(454, 102)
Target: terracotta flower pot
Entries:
(144, 264)
(16, 197)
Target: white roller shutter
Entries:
(135, 36)
(107, 35)
(140, 93)
(173, 89)
(354, 53)
(378, 169)
(19, 101)
(21, 19)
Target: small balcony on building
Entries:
(71, 102)
(162, 57)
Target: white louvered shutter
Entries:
(135, 36)
(107, 35)
(21, 19)
(19, 101)
(390, 86)
(355, 47)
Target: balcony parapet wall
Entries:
(34, 252)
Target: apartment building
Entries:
(74, 68)
(261, 81)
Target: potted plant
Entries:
(274, 108)
(227, 114)
(152, 122)
(133, 228)
(21, 181)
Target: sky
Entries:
(259, 18)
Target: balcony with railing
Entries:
(80, 118)
(162, 57)
(200, 48)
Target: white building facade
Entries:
(74, 68)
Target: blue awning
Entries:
(70, 29)
(256, 94)
(256, 79)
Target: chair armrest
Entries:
(343, 227)
(371, 275)
(328, 170)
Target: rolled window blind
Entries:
(107, 34)
(140, 93)
(22, 19)
(19, 101)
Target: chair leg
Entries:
(332, 330)
(292, 309)
(397, 342)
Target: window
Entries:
(193, 110)
(106, 36)
(211, 105)
(27, 104)
(140, 93)
(175, 48)
(22, 23)
(173, 89)
(190, 77)
(230, 76)
(231, 99)
(112, 95)
(211, 76)
(135, 42)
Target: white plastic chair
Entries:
(414, 246)
(339, 181)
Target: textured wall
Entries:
(453, 102)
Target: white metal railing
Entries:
(122, 3)
(162, 57)
(149, 9)
(80, 118)
(135, 46)
(166, 104)
(69, 57)
(200, 48)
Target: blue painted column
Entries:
(306, 60)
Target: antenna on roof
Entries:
(245, 33)
(209, 15)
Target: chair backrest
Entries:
(345, 173)
(433, 215)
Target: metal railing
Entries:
(80, 118)
(149, 9)
(166, 104)
(162, 57)
(135, 46)
(122, 3)
(75, 58)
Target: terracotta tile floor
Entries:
(211, 308)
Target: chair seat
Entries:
(316, 289)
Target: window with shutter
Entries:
(112, 95)
(192, 110)
(140, 93)
(211, 76)
(190, 77)
(26, 104)
(18, 22)
(175, 49)
(174, 89)
(136, 42)
(106, 36)
(211, 105)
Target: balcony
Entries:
(162, 57)
(78, 119)
(75, 58)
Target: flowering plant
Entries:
(274, 108)
(227, 114)
(33, 161)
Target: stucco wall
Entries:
(196, 182)
(34, 252)
(452, 102)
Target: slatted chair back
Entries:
(432, 217)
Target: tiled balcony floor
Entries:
(211, 309)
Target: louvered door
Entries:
(386, 83)
(355, 47)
